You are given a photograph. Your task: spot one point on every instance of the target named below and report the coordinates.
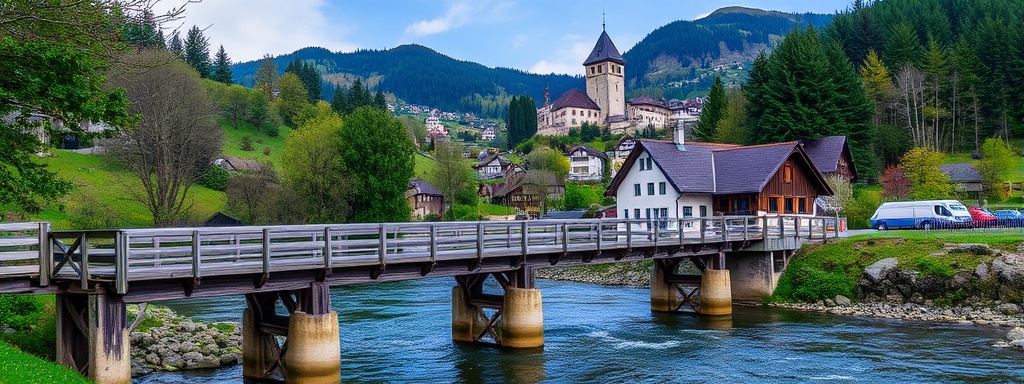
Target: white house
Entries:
(666, 180)
(586, 163)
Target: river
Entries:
(401, 332)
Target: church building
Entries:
(603, 104)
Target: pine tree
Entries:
(176, 46)
(310, 78)
(197, 51)
(936, 69)
(712, 112)
(379, 101)
(340, 103)
(853, 111)
(902, 46)
(877, 83)
(222, 67)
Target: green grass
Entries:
(21, 367)
(822, 271)
(101, 189)
(494, 209)
(424, 166)
(233, 142)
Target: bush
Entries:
(19, 311)
(215, 178)
(272, 130)
(246, 143)
(34, 319)
(460, 212)
(266, 151)
(812, 284)
(581, 196)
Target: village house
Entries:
(488, 134)
(966, 180)
(527, 192)
(662, 180)
(425, 199)
(644, 111)
(831, 155)
(491, 166)
(237, 164)
(586, 163)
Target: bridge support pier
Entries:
(716, 289)
(92, 336)
(671, 292)
(514, 319)
(311, 352)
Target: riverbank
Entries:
(166, 341)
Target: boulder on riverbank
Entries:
(165, 341)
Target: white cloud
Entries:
(248, 29)
(701, 16)
(566, 60)
(457, 14)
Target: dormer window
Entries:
(787, 174)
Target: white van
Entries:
(921, 214)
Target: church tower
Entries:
(606, 71)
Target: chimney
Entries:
(679, 136)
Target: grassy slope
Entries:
(233, 142)
(21, 367)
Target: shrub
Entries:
(34, 319)
(266, 151)
(272, 130)
(19, 311)
(811, 284)
(215, 178)
(246, 143)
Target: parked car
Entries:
(1009, 218)
(921, 214)
(982, 218)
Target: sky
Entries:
(549, 36)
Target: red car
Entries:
(982, 218)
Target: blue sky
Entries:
(532, 35)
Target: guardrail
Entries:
(121, 256)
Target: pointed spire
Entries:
(602, 21)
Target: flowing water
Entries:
(401, 332)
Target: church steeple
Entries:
(604, 50)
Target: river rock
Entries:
(173, 361)
(228, 359)
(981, 271)
(1017, 333)
(1010, 269)
(1008, 308)
(880, 268)
(842, 301)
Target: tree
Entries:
(222, 67)
(234, 104)
(842, 193)
(714, 111)
(379, 158)
(379, 101)
(197, 51)
(309, 76)
(451, 173)
(520, 120)
(894, 184)
(902, 46)
(142, 32)
(731, 129)
(292, 99)
(547, 159)
(996, 157)
(177, 138)
(52, 61)
(877, 84)
(265, 78)
(176, 46)
(313, 169)
(249, 193)
(921, 166)
(260, 113)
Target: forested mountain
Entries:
(420, 75)
(946, 74)
(681, 56)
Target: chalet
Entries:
(670, 180)
(831, 155)
(492, 166)
(966, 180)
(527, 191)
(220, 219)
(586, 163)
(644, 111)
(425, 199)
(488, 134)
(237, 164)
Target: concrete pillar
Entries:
(664, 296)
(522, 323)
(753, 275)
(109, 355)
(715, 293)
(314, 350)
(257, 353)
(463, 318)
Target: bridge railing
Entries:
(23, 250)
(124, 255)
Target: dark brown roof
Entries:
(647, 100)
(589, 151)
(825, 152)
(513, 182)
(576, 99)
(961, 172)
(748, 169)
(422, 187)
(604, 50)
(501, 161)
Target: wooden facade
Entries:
(791, 190)
(425, 204)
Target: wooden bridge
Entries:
(96, 273)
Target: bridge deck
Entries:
(35, 259)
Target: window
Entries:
(636, 213)
(574, 112)
(789, 204)
(661, 188)
(647, 212)
(703, 211)
(600, 69)
(687, 211)
(649, 163)
(787, 174)
(625, 212)
(636, 189)
(801, 205)
(773, 204)
(650, 189)
(643, 164)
